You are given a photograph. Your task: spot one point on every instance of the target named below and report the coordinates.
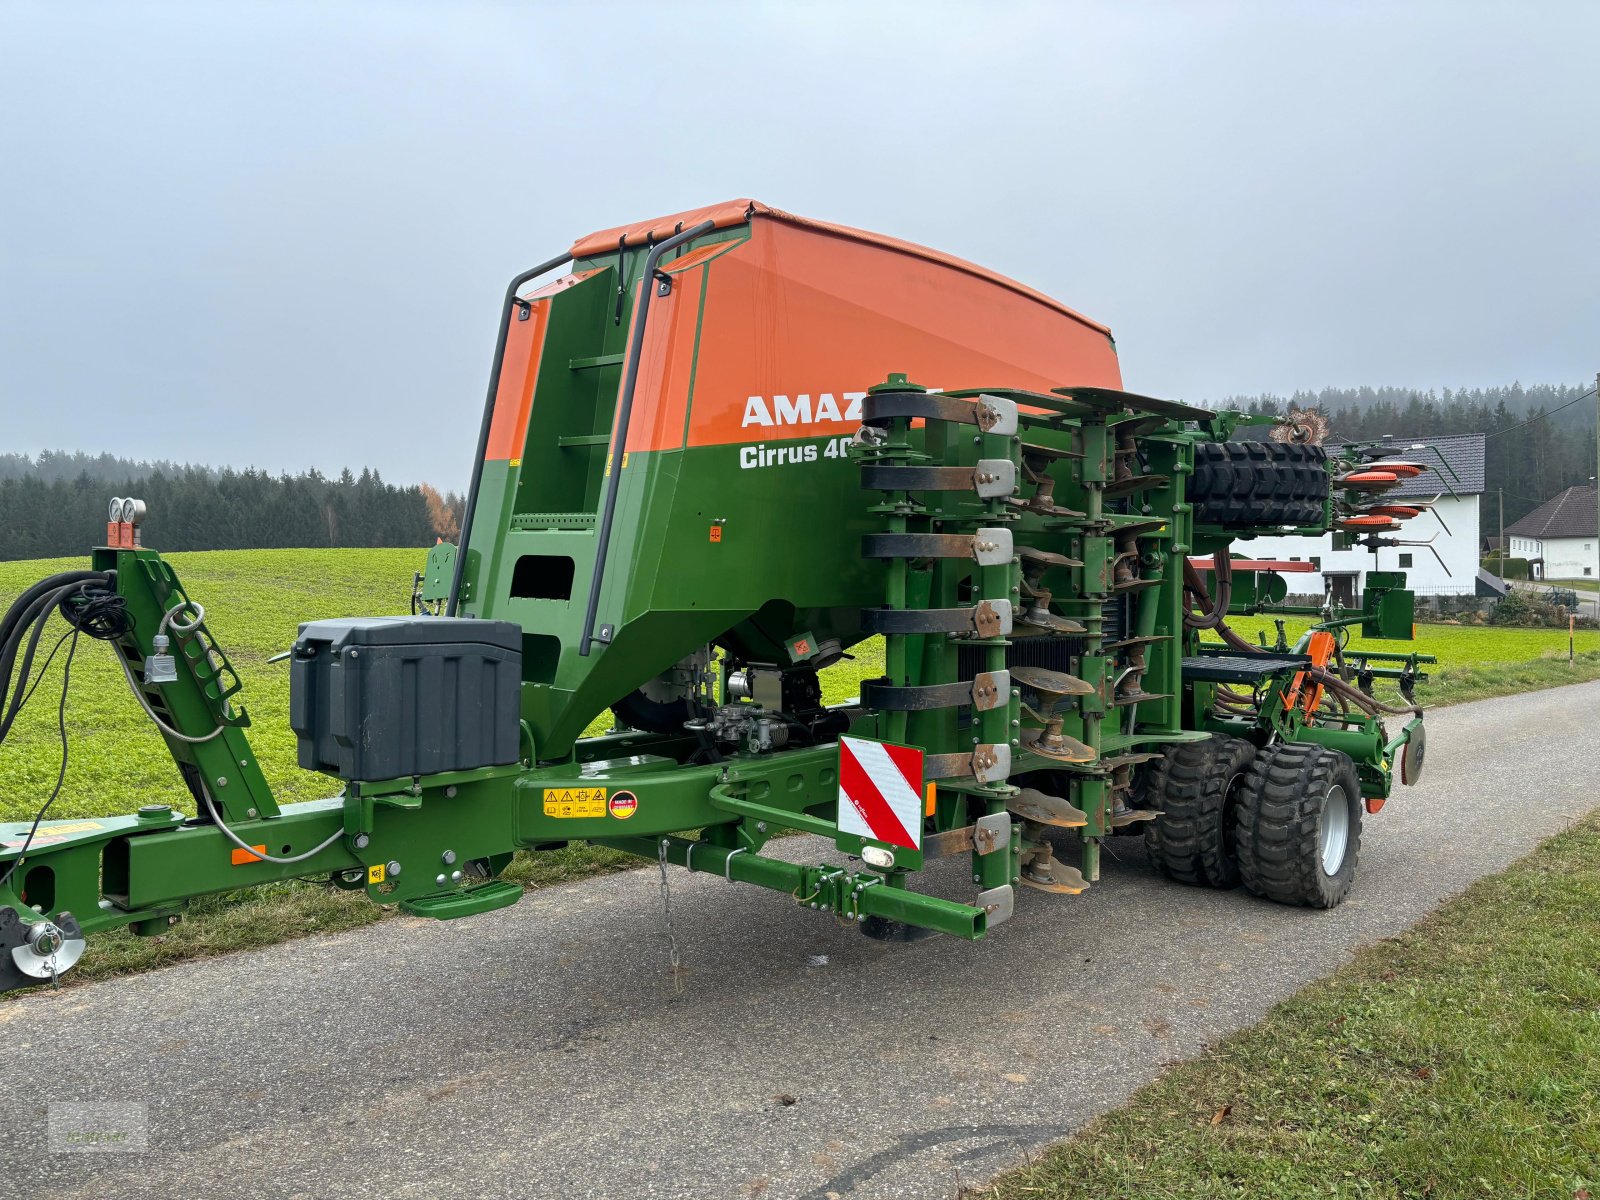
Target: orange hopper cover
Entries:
(739, 212)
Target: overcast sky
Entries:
(277, 235)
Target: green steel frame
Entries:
(1101, 484)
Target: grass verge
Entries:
(1483, 680)
(1476, 662)
(1456, 1060)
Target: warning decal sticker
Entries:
(575, 802)
(53, 832)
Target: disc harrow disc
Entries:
(1051, 683)
(1048, 621)
(1054, 876)
(1034, 805)
(1052, 743)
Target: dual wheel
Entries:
(1284, 821)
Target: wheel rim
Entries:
(1335, 829)
(1230, 795)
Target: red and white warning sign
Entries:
(880, 791)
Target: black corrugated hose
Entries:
(89, 603)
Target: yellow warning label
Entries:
(53, 833)
(575, 802)
(375, 873)
(71, 827)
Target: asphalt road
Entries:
(544, 1051)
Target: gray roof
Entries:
(1572, 513)
(1463, 452)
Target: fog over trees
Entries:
(1541, 437)
(1541, 440)
(54, 505)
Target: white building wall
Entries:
(1458, 548)
(1568, 558)
(1522, 547)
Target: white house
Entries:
(1558, 538)
(1453, 532)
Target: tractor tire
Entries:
(1259, 483)
(1193, 785)
(1297, 825)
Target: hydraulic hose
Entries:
(144, 703)
(1215, 611)
(1213, 618)
(1338, 686)
(1360, 699)
(35, 616)
(233, 837)
(13, 614)
(27, 607)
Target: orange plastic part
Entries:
(1402, 512)
(782, 333)
(1369, 479)
(1320, 648)
(1406, 470)
(520, 367)
(776, 336)
(743, 211)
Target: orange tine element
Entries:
(1367, 521)
(1320, 648)
(1401, 512)
(1368, 480)
(1406, 470)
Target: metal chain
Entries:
(675, 969)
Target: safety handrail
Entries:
(619, 436)
(471, 509)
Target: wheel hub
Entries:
(1334, 829)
